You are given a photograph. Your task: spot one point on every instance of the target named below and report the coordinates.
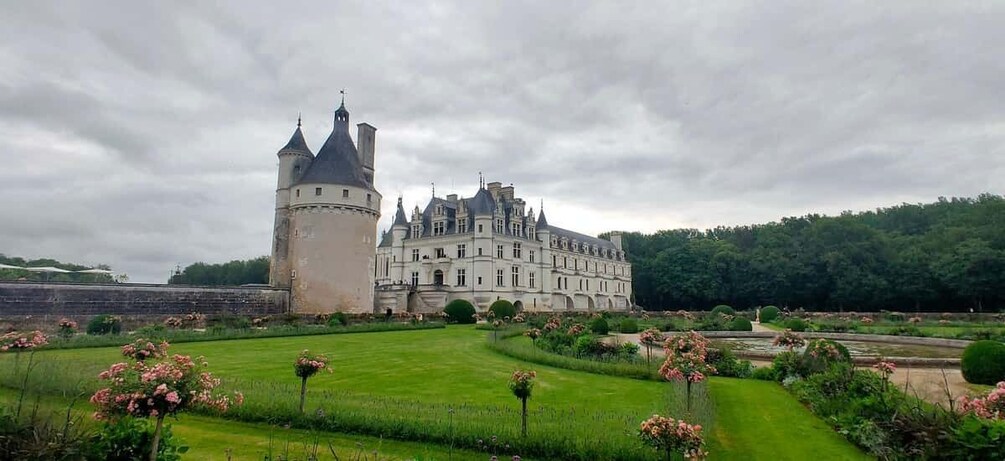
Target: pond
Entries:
(857, 348)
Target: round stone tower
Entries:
(333, 211)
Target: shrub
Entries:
(764, 374)
(128, 439)
(820, 354)
(629, 325)
(796, 324)
(769, 313)
(338, 319)
(983, 362)
(503, 309)
(460, 311)
(740, 324)
(722, 309)
(726, 363)
(104, 324)
(599, 326)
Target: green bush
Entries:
(816, 357)
(796, 324)
(338, 319)
(983, 362)
(629, 325)
(740, 324)
(726, 363)
(502, 309)
(769, 313)
(599, 326)
(104, 324)
(722, 309)
(460, 311)
(764, 374)
(130, 439)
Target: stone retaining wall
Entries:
(891, 339)
(86, 300)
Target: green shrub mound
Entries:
(723, 309)
(600, 326)
(502, 309)
(338, 319)
(983, 362)
(740, 324)
(819, 362)
(796, 324)
(629, 325)
(769, 313)
(104, 324)
(460, 311)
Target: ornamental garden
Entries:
(504, 385)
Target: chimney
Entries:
(365, 141)
(452, 198)
(616, 239)
(507, 192)
(493, 188)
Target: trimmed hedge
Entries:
(460, 311)
(104, 324)
(769, 313)
(600, 326)
(740, 324)
(984, 362)
(723, 309)
(502, 309)
(629, 325)
(796, 324)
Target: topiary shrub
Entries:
(740, 324)
(820, 354)
(722, 309)
(599, 326)
(459, 311)
(502, 309)
(983, 362)
(104, 324)
(796, 324)
(629, 325)
(769, 313)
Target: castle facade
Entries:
(491, 247)
(325, 229)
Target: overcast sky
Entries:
(144, 134)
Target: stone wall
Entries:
(86, 300)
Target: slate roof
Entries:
(399, 216)
(542, 222)
(581, 238)
(337, 162)
(297, 143)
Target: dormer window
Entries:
(439, 228)
(515, 229)
(439, 210)
(462, 225)
(499, 226)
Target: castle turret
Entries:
(294, 158)
(334, 209)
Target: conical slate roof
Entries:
(399, 216)
(482, 203)
(337, 162)
(542, 222)
(297, 142)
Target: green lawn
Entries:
(407, 383)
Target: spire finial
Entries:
(299, 116)
(343, 95)
(434, 188)
(542, 205)
(481, 181)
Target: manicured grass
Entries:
(405, 384)
(761, 420)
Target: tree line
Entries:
(237, 272)
(943, 256)
(24, 275)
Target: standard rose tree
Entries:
(686, 360)
(521, 384)
(155, 386)
(308, 365)
(671, 436)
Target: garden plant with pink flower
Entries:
(885, 368)
(533, 334)
(686, 360)
(789, 340)
(67, 327)
(672, 436)
(991, 406)
(19, 342)
(521, 383)
(157, 386)
(651, 338)
(143, 349)
(308, 365)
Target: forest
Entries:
(76, 277)
(944, 256)
(237, 272)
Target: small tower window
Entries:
(317, 191)
(369, 198)
(293, 274)
(345, 193)
(298, 193)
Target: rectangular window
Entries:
(530, 255)
(369, 198)
(462, 278)
(479, 228)
(440, 253)
(438, 227)
(565, 262)
(515, 229)
(516, 276)
(499, 277)
(580, 284)
(317, 191)
(462, 251)
(499, 226)
(345, 193)
(462, 225)
(415, 232)
(479, 281)
(479, 251)
(499, 251)
(415, 278)
(298, 193)
(415, 255)
(517, 252)
(587, 285)
(530, 279)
